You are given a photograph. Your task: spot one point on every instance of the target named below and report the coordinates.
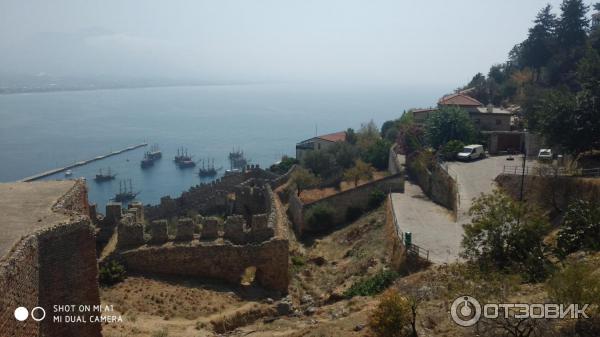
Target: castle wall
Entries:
(225, 262)
(19, 287)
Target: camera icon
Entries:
(37, 314)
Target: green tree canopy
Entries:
(449, 123)
(361, 170)
(303, 179)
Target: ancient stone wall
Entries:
(219, 261)
(19, 286)
(53, 265)
(356, 198)
(68, 274)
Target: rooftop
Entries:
(331, 137)
(459, 99)
(27, 207)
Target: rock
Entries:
(285, 306)
(359, 327)
(306, 299)
(310, 311)
(335, 296)
(269, 300)
(319, 260)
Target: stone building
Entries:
(318, 143)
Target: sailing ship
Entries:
(183, 159)
(147, 161)
(237, 161)
(154, 152)
(101, 177)
(209, 169)
(125, 194)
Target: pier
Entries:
(81, 163)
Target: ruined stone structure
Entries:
(47, 256)
(207, 247)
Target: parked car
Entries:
(471, 152)
(545, 155)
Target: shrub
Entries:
(372, 285)
(577, 283)
(392, 317)
(320, 215)
(284, 165)
(298, 260)
(111, 273)
(161, 333)
(580, 228)
(451, 149)
(378, 154)
(376, 198)
(353, 213)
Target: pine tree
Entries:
(537, 49)
(573, 24)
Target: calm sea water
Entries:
(42, 131)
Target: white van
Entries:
(471, 152)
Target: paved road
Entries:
(433, 227)
(475, 178)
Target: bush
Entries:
(284, 165)
(372, 285)
(392, 317)
(378, 154)
(376, 198)
(580, 228)
(451, 149)
(111, 273)
(577, 283)
(320, 215)
(353, 213)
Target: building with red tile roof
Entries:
(318, 143)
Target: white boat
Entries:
(68, 173)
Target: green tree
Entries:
(378, 154)
(507, 236)
(576, 283)
(573, 24)
(367, 135)
(449, 123)
(538, 48)
(303, 179)
(580, 228)
(284, 165)
(344, 154)
(361, 170)
(321, 163)
(351, 136)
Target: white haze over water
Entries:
(435, 42)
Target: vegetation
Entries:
(361, 170)
(303, 179)
(553, 76)
(111, 273)
(449, 123)
(576, 283)
(376, 198)
(580, 228)
(451, 149)
(392, 316)
(320, 215)
(284, 165)
(372, 285)
(353, 213)
(507, 236)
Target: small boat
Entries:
(101, 177)
(186, 164)
(154, 152)
(68, 173)
(237, 160)
(182, 156)
(147, 161)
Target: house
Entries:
(318, 143)
(493, 122)
(485, 118)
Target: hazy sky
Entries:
(370, 41)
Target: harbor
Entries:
(81, 163)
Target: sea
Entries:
(43, 131)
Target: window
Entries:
(318, 146)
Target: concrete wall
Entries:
(356, 197)
(224, 262)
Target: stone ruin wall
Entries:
(207, 197)
(55, 265)
(204, 247)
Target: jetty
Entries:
(81, 163)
